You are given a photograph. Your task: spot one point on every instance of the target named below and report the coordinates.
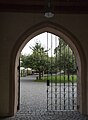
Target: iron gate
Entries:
(61, 76)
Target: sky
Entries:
(42, 38)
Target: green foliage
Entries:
(65, 57)
(59, 78)
(38, 59)
(24, 61)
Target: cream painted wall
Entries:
(13, 25)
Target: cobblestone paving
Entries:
(33, 105)
(48, 116)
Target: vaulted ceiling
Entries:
(40, 6)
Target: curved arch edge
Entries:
(70, 39)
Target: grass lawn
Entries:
(59, 78)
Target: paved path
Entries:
(33, 105)
(29, 78)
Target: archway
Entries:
(70, 39)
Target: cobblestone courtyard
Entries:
(33, 105)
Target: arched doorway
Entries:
(70, 39)
(54, 64)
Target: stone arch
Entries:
(70, 39)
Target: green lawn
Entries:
(59, 78)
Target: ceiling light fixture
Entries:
(49, 13)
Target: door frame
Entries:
(66, 35)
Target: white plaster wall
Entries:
(13, 25)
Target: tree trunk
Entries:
(39, 74)
(42, 73)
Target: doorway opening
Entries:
(60, 69)
(48, 73)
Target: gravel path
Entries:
(33, 105)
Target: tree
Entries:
(65, 57)
(38, 59)
(24, 61)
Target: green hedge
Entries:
(59, 78)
